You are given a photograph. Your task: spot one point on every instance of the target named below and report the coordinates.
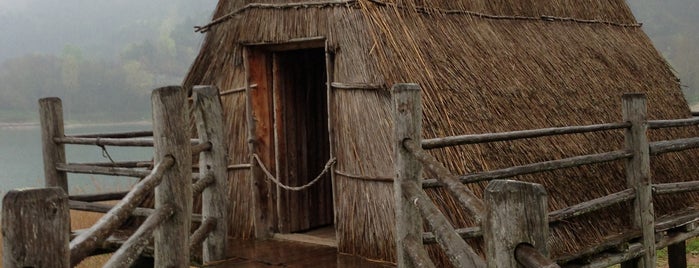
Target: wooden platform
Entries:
(277, 253)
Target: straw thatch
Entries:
(484, 66)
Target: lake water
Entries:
(21, 163)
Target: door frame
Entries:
(262, 132)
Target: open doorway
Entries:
(301, 136)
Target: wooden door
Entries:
(302, 145)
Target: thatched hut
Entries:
(317, 75)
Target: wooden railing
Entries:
(171, 178)
(511, 236)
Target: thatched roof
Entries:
(484, 66)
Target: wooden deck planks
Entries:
(274, 253)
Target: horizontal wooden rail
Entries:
(537, 167)
(656, 124)
(675, 187)
(530, 257)
(206, 227)
(465, 233)
(125, 164)
(81, 246)
(235, 90)
(98, 197)
(138, 142)
(592, 205)
(416, 252)
(465, 196)
(97, 170)
(201, 184)
(129, 252)
(661, 147)
(201, 147)
(515, 135)
(118, 135)
(104, 208)
(461, 254)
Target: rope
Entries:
(294, 188)
(105, 153)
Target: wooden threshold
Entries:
(322, 236)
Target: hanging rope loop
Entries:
(294, 188)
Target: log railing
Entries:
(171, 178)
(527, 243)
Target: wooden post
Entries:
(36, 228)
(260, 141)
(677, 255)
(51, 117)
(209, 118)
(638, 176)
(407, 117)
(171, 138)
(516, 213)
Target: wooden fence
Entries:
(512, 237)
(45, 211)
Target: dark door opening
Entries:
(301, 134)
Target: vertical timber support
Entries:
(209, 117)
(516, 216)
(36, 228)
(171, 138)
(51, 117)
(258, 110)
(677, 255)
(407, 116)
(638, 176)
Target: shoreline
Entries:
(27, 125)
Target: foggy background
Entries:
(104, 57)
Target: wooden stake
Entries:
(209, 118)
(51, 117)
(171, 140)
(516, 214)
(36, 228)
(407, 116)
(638, 177)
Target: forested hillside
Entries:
(101, 57)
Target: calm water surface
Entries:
(21, 165)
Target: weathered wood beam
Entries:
(170, 117)
(54, 153)
(515, 135)
(592, 205)
(236, 90)
(35, 227)
(357, 86)
(465, 233)
(457, 189)
(97, 170)
(530, 257)
(661, 147)
(675, 187)
(208, 113)
(125, 164)
(81, 246)
(516, 215)
(118, 135)
(638, 176)
(416, 252)
(98, 197)
(202, 184)
(204, 230)
(130, 142)
(130, 251)
(460, 254)
(655, 124)
(407, 117)
(104, 208)
(202, 147)
(537, 167)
